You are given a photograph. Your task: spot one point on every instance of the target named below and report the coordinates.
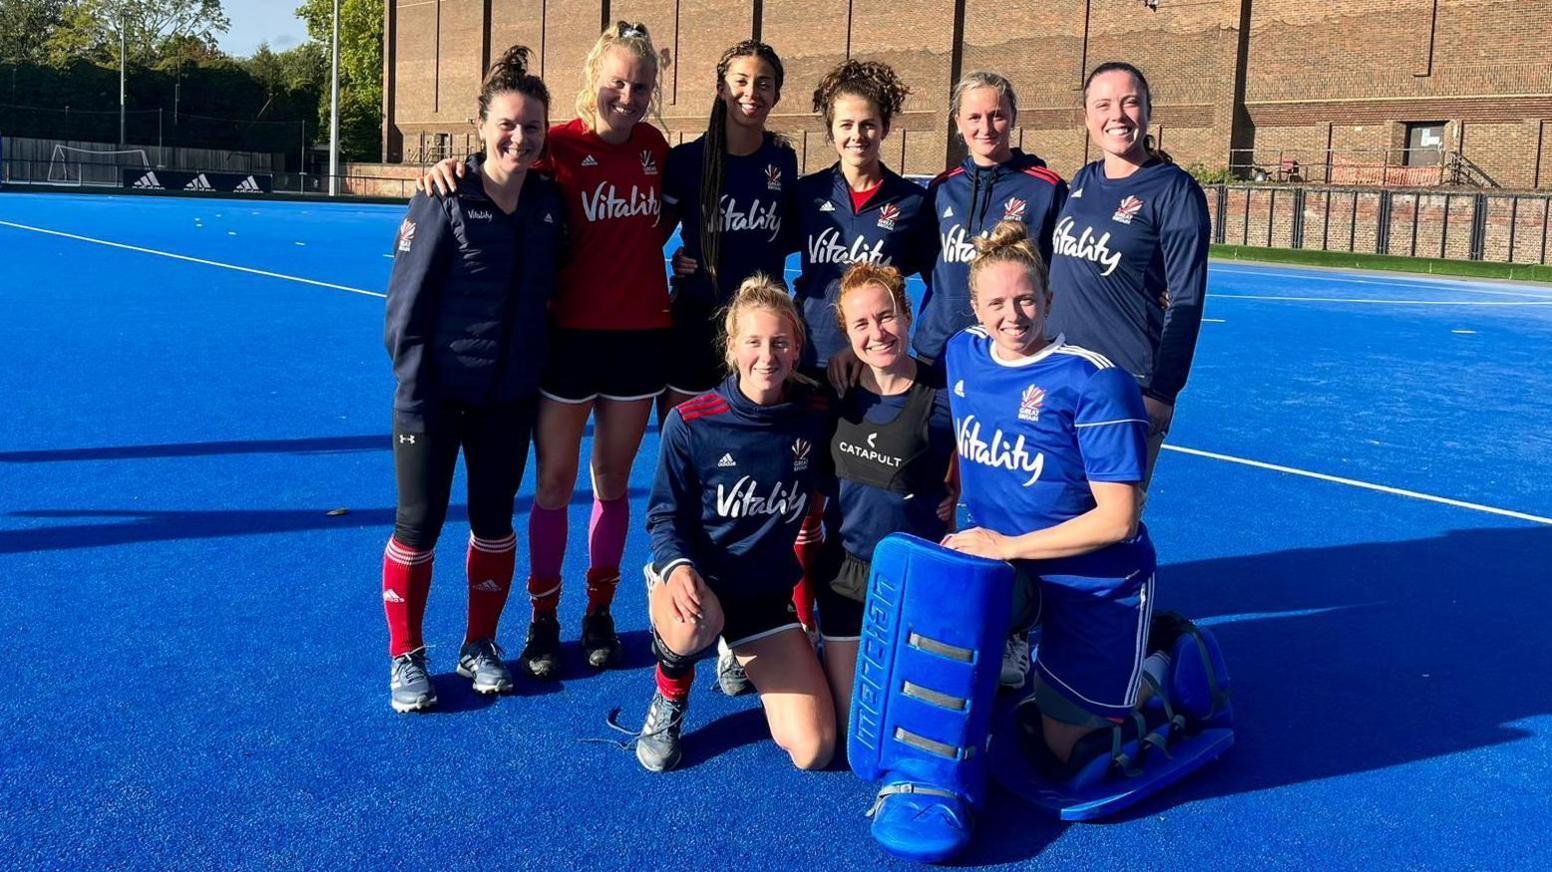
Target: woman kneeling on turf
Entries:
(739, 468)
(1052, 444)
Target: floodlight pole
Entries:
(334, 107)
(123, 42)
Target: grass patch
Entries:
(1520, 272)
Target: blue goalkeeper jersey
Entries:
(1033, 433)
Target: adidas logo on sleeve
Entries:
(726, 461)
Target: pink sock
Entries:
(546, 541)
(606, 532)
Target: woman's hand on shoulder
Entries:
(442, 178)
(978, 542)
(844, 371)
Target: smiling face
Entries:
(875, 326)
(1009, 302)
(857, 128)
(985, 120)
(513, 130)
(1115, 110)
(624, 87)
(749, 90)
(763, 350)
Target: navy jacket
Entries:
(466, 300)
(734, 482)
(967, 202)
(894, 228)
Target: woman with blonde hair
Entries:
(739, 469)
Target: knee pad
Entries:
(674, 664)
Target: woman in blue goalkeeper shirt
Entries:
(1129, 255)
(1052, 447)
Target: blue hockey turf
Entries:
(1357, 497)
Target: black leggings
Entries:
(494, 440)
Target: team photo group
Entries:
(868, 512)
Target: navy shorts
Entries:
(749, 616)
(696, 362)
(1094, 612)
(587, 365)
(841, 591)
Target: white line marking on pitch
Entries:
(1465, 332)
(198, 260)
(1213, 321)
(1401, 280)
(1351, 482)
(1213, 296)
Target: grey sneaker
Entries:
(409, 683)
(480, 661)
(657, 745)
(731, 677)
(541, 655)
(1015, 661)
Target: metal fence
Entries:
(1479, 225)
(1381, 167)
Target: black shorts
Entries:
(749, 617)
(696, 362)
(841, 591)
(587, 365)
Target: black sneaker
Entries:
(657, 745)
(541, 654)
(600, 641)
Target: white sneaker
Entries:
(1015, 660)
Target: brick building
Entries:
(1430, 90)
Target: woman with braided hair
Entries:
(732, 189)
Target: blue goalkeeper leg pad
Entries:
(1186, 724)
(922, 705)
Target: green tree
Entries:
(157, 32)
(25, 27)
(361, 71)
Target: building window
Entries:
(1424, 143)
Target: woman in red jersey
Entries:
(609, 331)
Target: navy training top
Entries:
(968, 201)
(1129, 271)
(734, 482)
(894, 228)
(757, 191)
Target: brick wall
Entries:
(1273, 75)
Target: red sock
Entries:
(490, 564)
(544, 595)
(601, 583)
(406, 586)
(808, 547)
(677, 689)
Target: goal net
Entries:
(73, 166)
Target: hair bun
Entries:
(514, 60)
(1006, 234)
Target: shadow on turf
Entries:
(137, 525)
(321, 445)
(1348, 660)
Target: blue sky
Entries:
(256, 21)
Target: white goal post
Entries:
(71, 166)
